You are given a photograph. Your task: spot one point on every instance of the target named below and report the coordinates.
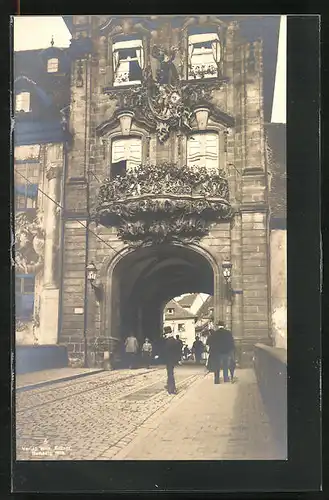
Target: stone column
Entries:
(50, 293)
(50, 273)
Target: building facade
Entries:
(180, 321)
(41, 138)
(163, 178)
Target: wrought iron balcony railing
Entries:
(163, 202)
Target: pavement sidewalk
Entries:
(209, 422)
(40, 378)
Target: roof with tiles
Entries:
(49, 91)
(205, 311)
(188, 300)
(178, 312)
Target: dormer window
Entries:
(202, 150)
(204, 55)
(52, 65)
(23, 102)
(170, 310)
(128, 61)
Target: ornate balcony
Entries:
(156, 204)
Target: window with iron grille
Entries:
(24, 296)
(26, 186)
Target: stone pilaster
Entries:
(53, 174)
(237, 278)
(49, 298)
(255, 145)
(255, 275)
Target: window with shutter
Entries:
(128, 62)
(129, 150)
(203, 55)
(202, 150)
(23, 102)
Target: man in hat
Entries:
(172, 355)
(221, 345)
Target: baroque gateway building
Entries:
(153, 182)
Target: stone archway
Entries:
(140, 281)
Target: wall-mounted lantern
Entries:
(91, 273)
(94, 281)
(227, 270)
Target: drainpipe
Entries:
(85, 316)
(86, 173)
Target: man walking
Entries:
(197, 350)
(147, 353)
(172, 355)
(221, 345)
(131, 348)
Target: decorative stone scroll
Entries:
(29, 242)
(155, 204)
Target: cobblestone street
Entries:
(129, 415)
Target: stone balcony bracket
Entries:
(163, 202)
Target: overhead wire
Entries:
(62, 208)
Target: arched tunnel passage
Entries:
(146, 279)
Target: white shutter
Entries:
(194, 150)
(118, 151)
(211, 151)
(23, 101)
(134, 152)
(203, 37)
(202, 150)
(129, 149)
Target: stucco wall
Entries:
(188, 335)
(278, 242)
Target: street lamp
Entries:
(227, 272)
(226, 269)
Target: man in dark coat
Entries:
(221, 345)
(172, 355)
(197, 350)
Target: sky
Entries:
(35, 32)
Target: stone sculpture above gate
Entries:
(165, 103)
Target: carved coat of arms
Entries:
(29, 242)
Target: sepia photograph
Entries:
(150, 237)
